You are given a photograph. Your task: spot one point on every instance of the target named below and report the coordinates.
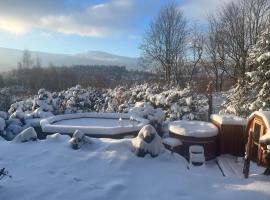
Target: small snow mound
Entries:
(228, 119)
(57, 137)
(26, 135)
(78, 139)
(148, 142)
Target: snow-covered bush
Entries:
(252, 92)
(176, 103)
(13, 128)
(6, 98)
(148, 142)
(26, 135)
(151, 101)
(78, 139)
(145, 110)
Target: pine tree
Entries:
(253, 91)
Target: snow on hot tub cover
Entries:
(48, 126)
(198, 129)
(228, 119)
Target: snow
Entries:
(26, 135)
(265, 115)
(2, 124)
(193, 128)
(107, 169)
(263, 57)
(229, 119)
(3, 115)
(265, 139)
(155, 147)
(34, 122)
(78, 139)
(233, 167)
(172, 142)
(93, 122)
(54, 124)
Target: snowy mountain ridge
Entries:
(9, 59)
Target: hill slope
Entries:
(10, 57)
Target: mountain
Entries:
(10, 57)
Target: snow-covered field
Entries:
(108, 169)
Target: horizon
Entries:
(71, 27)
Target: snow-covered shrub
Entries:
(7, 97)
(77, 99)
(145, 110)
(151, 101)
(78, 139)
(148, 142)
(252, 92)
(3, 115)
(26, 135)
(177, 103)
(13, 128)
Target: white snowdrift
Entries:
(26, 135)
(51, 170)
(193, 128)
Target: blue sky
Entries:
(74, 26)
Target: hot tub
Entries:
(108, 125)
(196, 133)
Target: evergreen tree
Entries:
(252, 92)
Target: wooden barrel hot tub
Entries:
(196, 133)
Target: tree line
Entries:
(219, 51)
(31, 76)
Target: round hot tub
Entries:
(101, 125)
(196, 133)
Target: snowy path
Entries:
(107, 169)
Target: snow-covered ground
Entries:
(108, 169)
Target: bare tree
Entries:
(241, 22)
(197, 42)
(165, 41)
(216, 56)
(26, 61)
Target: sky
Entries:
(75, 26)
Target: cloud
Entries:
(85, 18)
(14, 25)
(199, 9)
(71, 17)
